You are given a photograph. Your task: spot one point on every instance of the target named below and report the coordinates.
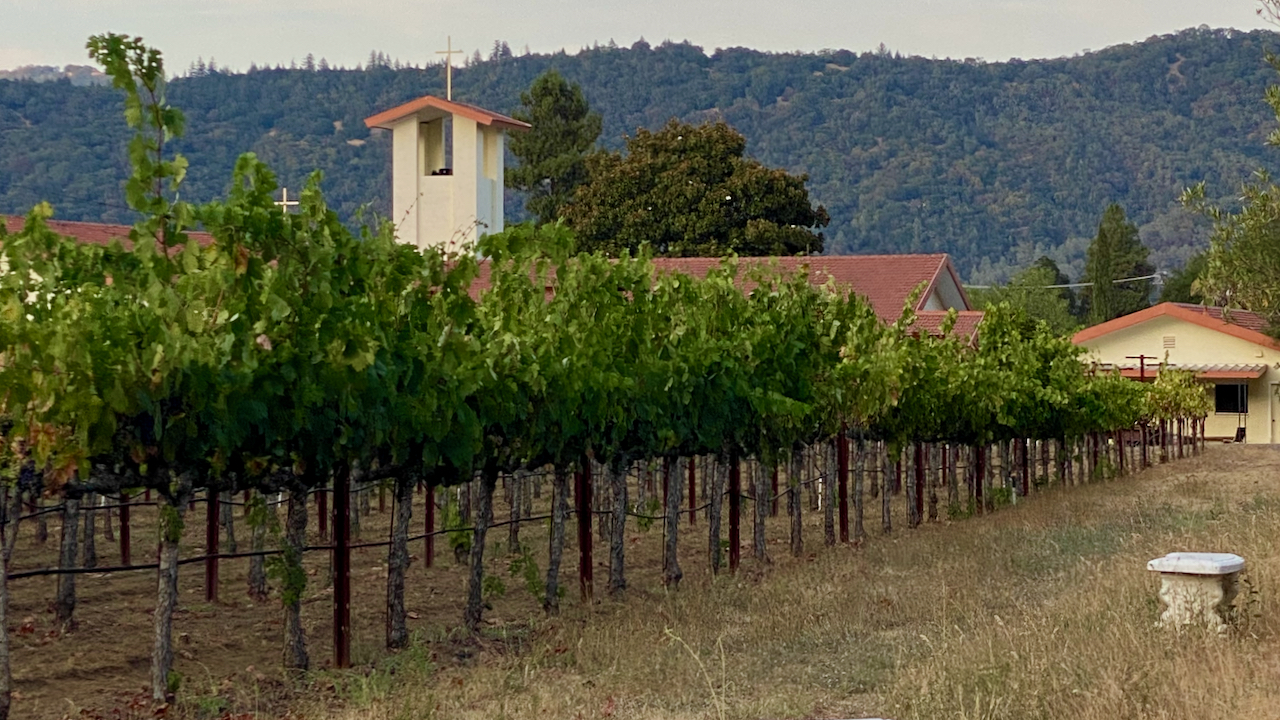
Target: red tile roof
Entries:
(91, 233)
(387, 118)
(1241, 324)
(1243, 318)
(966, 326)
(886, 281)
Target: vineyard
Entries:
(295, 373)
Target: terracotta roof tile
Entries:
(886, 281)
(387, 118)
(91, 233)
(1243, 324)
(1243, 318)
(966, 326)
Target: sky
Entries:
(270, 32)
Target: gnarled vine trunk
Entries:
(90, 541)
(171, 513)
(65, 603)
(671, 572)
(295, 540)
(559, 512)
(859, 504)
(8, 537)
(256, 505)
(483, 518)
(227, 515)
(618, 529)
(794, 501)
(516, 481)
(830, 478)
(398, 563)
(886, 495)
(762, 506)
(715, 496)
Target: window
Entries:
(1233, 398)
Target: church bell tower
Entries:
(438, 198)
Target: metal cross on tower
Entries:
(448, 54)
(285, 203)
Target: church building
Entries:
(446, 170)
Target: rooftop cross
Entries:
(285, 203)
(448, 54)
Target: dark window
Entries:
(1231, 398)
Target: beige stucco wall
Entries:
(446, 210)
(1194, 344)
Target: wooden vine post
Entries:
(342, 568)
(211, 546)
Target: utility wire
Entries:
(1153, 276)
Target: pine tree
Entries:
(552, 155)
(309, 64)
(1116, 253)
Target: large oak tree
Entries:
(689, 191)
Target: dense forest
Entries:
(996, 163)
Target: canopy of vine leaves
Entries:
(290, 345)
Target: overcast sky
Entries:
(237, 32)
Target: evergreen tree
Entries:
(1184, 285)
(1029, 291)
(553, 154)
(1054, 276)
(1115, 254)
(690, 191)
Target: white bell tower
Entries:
(435, 203)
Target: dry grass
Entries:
(1044, 610)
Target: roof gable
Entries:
(430, 107)
(1241, 324)
(885, 281)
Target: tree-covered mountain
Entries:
(996, 163)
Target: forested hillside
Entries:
(995, 163)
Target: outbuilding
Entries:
(1228, 349)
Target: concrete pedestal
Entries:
(1197, 588)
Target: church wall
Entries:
(404, 178)
(466, 175)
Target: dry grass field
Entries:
(1041, 610)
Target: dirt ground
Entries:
(988, 617)
(229, 652)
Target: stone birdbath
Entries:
(1197, 588)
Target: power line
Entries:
(1154, 276)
